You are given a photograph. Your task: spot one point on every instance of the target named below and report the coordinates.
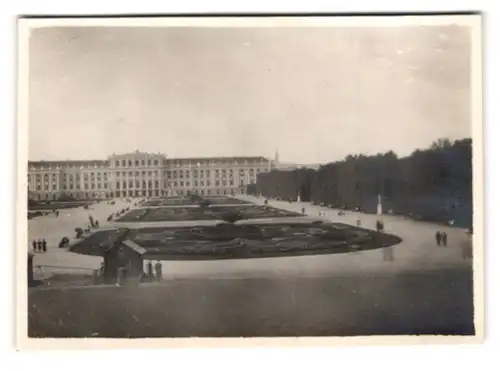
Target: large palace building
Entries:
(141, 174)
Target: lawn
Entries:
(164, 214)
(228, 241)
(181, 201)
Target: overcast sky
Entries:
(315, 94)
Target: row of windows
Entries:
(168, 174)
(124, 163)
(73, 187)
(145, 184)
(38, 177)
(69, 166)
(149, 162)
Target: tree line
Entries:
(433, 184)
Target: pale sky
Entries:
(315, 94)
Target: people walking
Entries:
(158, 271)
(33, 245)
(149, 270)
(438, 238)
(39, 245)
(444, 239)
(44, 245)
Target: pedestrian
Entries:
(97, 223)
(158, 271)
(303, 210)
(149, 270)
(438, 238)
(34, 245)
(39, 245)
(44, 245)
(444, 239)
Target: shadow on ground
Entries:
(431, 302)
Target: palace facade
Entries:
(140, 174)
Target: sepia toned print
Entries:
(263, 178)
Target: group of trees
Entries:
(432, 184)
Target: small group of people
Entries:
(93, 223)
(64, 242)
(39, 245)
(156, 274)
(441, 238)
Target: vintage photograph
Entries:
(249, 177)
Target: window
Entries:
(181, 183)
(187, 184)
(149, 162)
(136, 162)
(142, 162)
(217, 183)
(124, 163)
(137, 184)
(156, 162)
(130, 163)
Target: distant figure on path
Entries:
(33, 244)
(303, 210)
(438, 238)
(39, 245)
(444, 238)
(149, 270)
(97, 223)
(158, 271)
(44, 245)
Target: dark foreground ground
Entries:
(431, 302)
